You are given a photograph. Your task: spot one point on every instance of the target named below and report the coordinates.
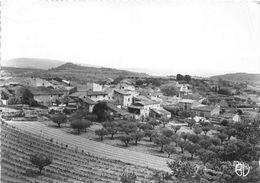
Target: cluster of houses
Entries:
(123, 99)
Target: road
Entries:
(93, 147)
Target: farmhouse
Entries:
(97, 95)
(123, 98)
(46, 96)
(141, 106)
(206, 111)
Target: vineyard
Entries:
(69, 164)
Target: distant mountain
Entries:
(83, 74)
(35, 63)
(30, 68)
(239, 77)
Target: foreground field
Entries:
(69, 165)
(97, 148)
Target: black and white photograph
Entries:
(130, 91)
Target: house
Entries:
(123, 98)
(205, 110)
(230, 117)
(87, 102)
(159, 112)
(46, 96)
(187, 104)
(97, 95)
(94, 87)
(141, 107)
(125, 86)
(118, 112)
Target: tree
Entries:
(100, 110)
(191, 123)
(164, 121)
(169, 149)
(221, 136)
(197, 130)
(146, 126)
(205, 143)
(181, 144)
(169, 90)
(111, 127)
(184, 135)
(59, 119)
(80, 125)
(167, 133)
(193, 138)
(139, 82)
(206, 129)
(40, 160)
(206, 155)
(179, 77)
(187, 78)
(162, 140)
(126, 139)
(176, 128)
(101, 133)
(150, 134)
(137, 136)
(129, 127)
(191, 148)
(153, 122)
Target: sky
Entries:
(160, 37)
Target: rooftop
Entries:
(90, 93)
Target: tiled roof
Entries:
(117, 110)
(89, 93)
(44, 91)
(89, 101)
(122, 92)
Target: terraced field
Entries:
(69, 164)
(97, 148)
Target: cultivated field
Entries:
(69, 164)
(97, 148)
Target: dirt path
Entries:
(95, 148)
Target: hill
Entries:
(70, 71)
(239, 77)
(35, 63)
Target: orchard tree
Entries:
(184, 135)
(191, 148)
(129, 127)
(40, 160)
(167, 133)
(164, 121)
(101, 133)
(193, 138)
(206, 156)
(153, 122)
(206, 129)
(197, 130)
(182, 145)
(137, 136)
(126, 139)
(191, 123)
(176, 128)
(59, 119)
(80, 125)
(205, 143)
(169, 149)
(162, 140)
(151, 134)
(112, 128)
